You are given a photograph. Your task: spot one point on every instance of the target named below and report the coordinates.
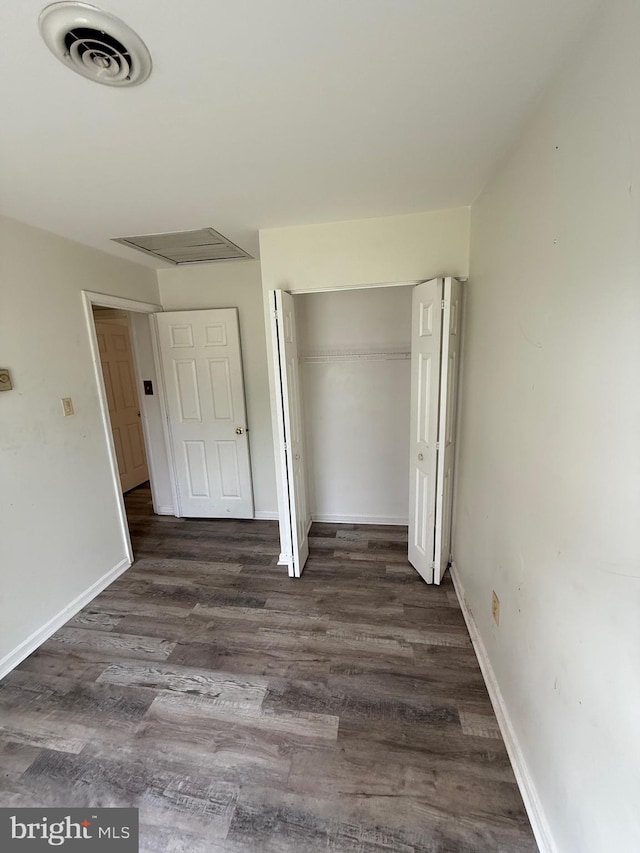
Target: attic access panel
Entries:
(186, 247)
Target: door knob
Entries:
(239, 431)
(420, 457)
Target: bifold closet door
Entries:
(449, 370)
(287, 374)
(202, 372)
(435, 348)
(426, 336)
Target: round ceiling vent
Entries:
(95, 44)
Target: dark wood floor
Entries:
(245, 712)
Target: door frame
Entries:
(103, 300)
(275, 390)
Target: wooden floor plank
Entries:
(189, 681)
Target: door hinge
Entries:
(275, 314)
(437, 445)
(443, 304)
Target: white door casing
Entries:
(202, 374)
(449, 371)
(426, 331)
(116, 358)
(288, 387)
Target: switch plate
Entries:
(67, 406)
(148, 387)
(5, 379)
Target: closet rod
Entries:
(354, 355)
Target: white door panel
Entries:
(288, 383)
(451, 320)
(118, 372)
(202, 369)
(426, 333)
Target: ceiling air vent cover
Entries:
(186, 247)
(94, 43)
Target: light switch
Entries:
(5, 379)
(67, 406)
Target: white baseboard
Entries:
(360, 519)
(265, 515)
(164, 510)
(525, 782)
(10, 661)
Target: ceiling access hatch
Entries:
(186, 247)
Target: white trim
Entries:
(164, 414)
(524, 779)
(332, 288)
(360, 519)
(148, 444)
(164, 510)
(106, 424)
(277, 407)
(11, 660)
(266, 515)
(461, 372)
(105, 300)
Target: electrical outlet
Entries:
(495, 607)
(67, 406)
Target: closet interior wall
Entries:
(354, 349)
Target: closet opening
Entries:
(354, 350)
(361, 437)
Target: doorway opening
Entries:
(355, 381)
(125, 366)
(113, 331)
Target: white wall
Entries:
(60, 527)
(356, 409)
(548, 496)
(386, 249)
(235, 285)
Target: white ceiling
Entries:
(262, 113)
